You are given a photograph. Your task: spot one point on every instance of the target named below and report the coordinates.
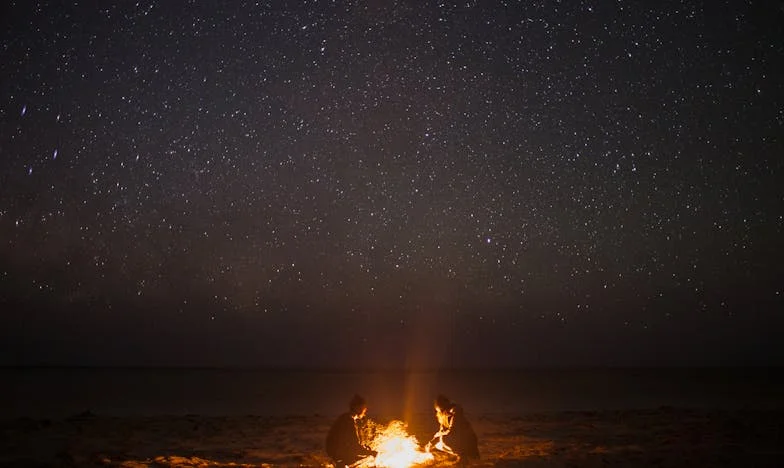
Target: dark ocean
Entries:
(63, 392)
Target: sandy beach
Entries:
(664, 437)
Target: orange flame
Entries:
(397, 448)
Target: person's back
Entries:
(455, 435)
(461, 437)
(343, 445)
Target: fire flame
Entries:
(397, 448)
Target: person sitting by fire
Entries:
(455, 434)
(344, 442)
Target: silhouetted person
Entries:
(344, 444)
(455, 435)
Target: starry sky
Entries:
(387, 183)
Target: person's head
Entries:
(358, 407)
(443, 409)
(442, 403)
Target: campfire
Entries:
(396, 448)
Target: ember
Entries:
(396, 448)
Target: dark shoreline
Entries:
(665, 437)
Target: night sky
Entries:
(392, 183)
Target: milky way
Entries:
(548, 179)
